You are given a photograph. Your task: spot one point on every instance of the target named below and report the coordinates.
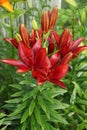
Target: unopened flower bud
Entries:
(45, 22)
(53, 17)
(24, 34)
(34, 24)
(83, 16)
(65, 38)
(18, 37)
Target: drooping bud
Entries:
(34, 24)
(45, 22)
(18, 37)
(53, 17)
(24, 34)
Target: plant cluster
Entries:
(36, 99)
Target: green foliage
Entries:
(29, 102)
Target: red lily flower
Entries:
(23, 36)
(56, 71)
(65, 43)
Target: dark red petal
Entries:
(51, 48)
(22, 69)
(25, 54)
(76, 43)
(37, 46)
(41, 60)
(12, 41)
(13, 62)
(57, 37)
(78, 50)
(40, 77)
(67, 58)
(59, 83)
(33, 38)
(24, 34)
(55, 58)
(59, 72)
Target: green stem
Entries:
(12, 34)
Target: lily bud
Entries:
(24, 34)
(34, 24)
(65, 39)
(18, 37)
(53, 17)
(45, 22)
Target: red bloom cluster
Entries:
(44, 52)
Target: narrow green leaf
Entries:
(81, 101)
(38, 115)
(4, 128)
(41, 102)
(33, 122)
(24, 126)
(73, 96)
(79, 90)
(2, 121)
(25, 115)
(56, 117)
(2, 115)
(19, 109)
(59, 91)
(72, 2)
(58, 105)
(26, 96)
(15, 100)
(17, 86)
(17, 94)
(31, 107)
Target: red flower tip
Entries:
(65, 38)
(24, 34)
(13, 41)
(45, 22)
(53, 17)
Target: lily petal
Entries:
(67, 58)
(41, 59)
(37, 46)
(13, 62)
(57, 37)
(12, 41)
(25, 54)
(78, 50)
(55, 58)
(77, 42)
(59, 83)
(59, 72)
